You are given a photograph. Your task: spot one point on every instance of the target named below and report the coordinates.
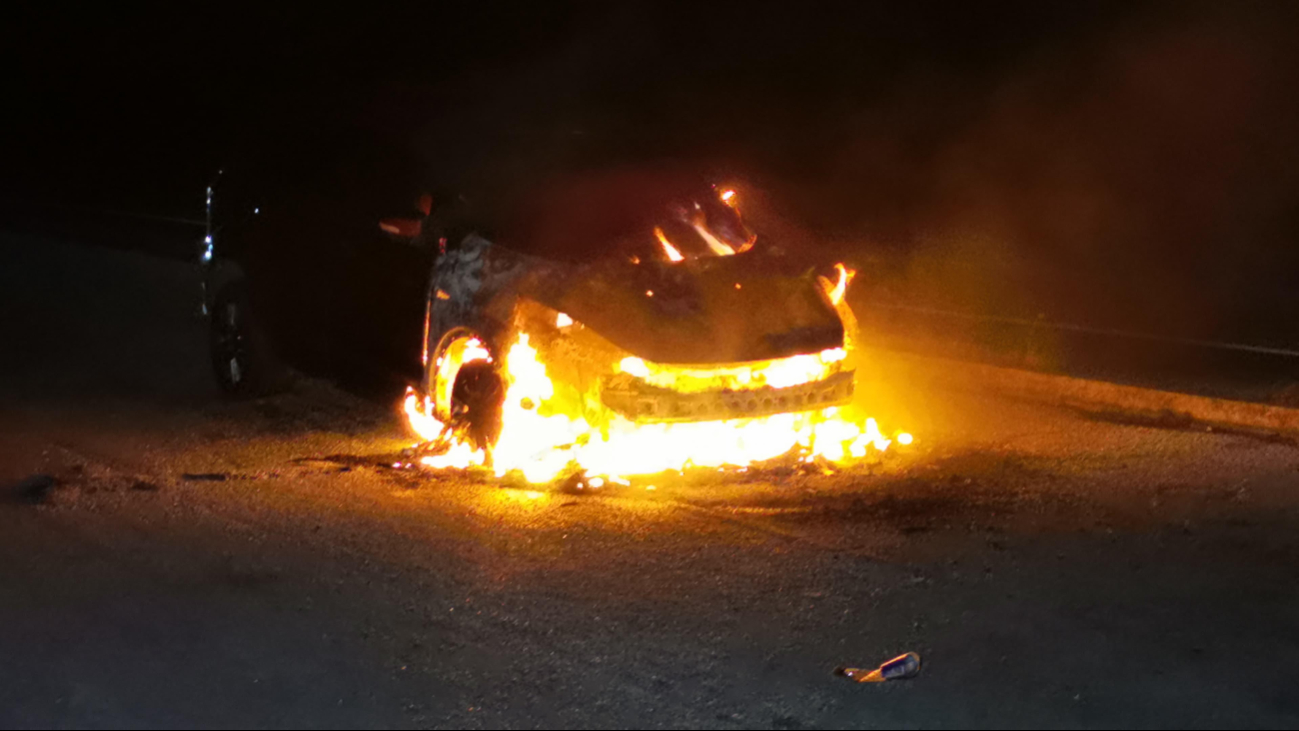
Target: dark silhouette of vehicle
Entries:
(298, 270)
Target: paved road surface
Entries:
(202, 563)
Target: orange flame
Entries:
(671, 250)
(837, 291)
(548, 431)
(717, 246)
(545, 435)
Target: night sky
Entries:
(151, 98)
(1150, 150)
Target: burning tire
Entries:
(242, 359)
(466, 388)
(477, 400)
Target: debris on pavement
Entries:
(899, 668)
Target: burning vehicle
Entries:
(605, 325)
(645, 328)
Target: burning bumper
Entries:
(640, 401)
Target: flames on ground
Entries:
(548, 433)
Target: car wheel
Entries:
(466, 386)
(477, 399)
(242, 359)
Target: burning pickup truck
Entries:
(680, 340)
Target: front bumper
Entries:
(643, 402)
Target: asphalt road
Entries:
(193, 562)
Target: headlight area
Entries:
(603, 375)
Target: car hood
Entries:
(717, 310)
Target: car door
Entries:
(380, 303)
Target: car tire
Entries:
(479, 393)
(242, 359)
(472, 393)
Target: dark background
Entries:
(1125, 164)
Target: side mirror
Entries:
(402, 227)
(409, 226)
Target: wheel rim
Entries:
(445, 364)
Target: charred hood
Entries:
(717, 310)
